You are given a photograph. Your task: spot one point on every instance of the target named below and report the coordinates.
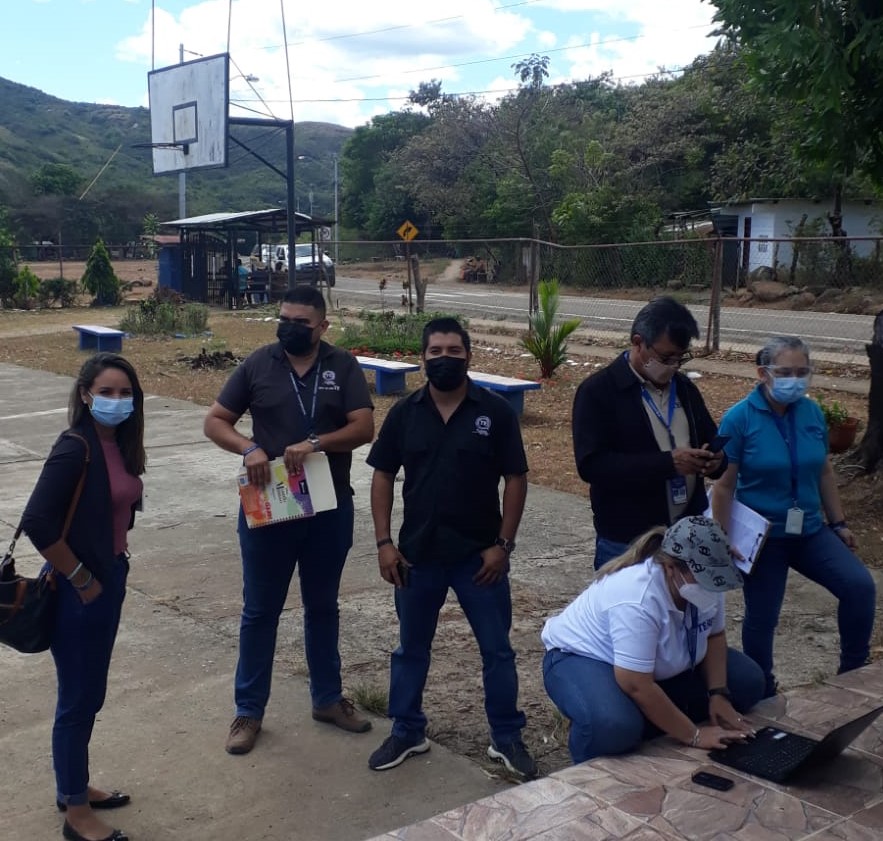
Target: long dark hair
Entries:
(130, 433)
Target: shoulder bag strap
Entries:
(78, 490)
(71, 508)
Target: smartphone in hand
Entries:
(718, 443)
(404, 571)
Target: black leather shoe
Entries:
(114, 801)
(72, 835)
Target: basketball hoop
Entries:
(184, 147)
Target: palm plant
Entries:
(546, 341)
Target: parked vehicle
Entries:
(306, 268)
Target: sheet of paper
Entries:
(747, 531)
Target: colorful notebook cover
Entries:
(289, 496)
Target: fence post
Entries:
(534, 277)
(713, 334)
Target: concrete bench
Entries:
(96, 337)
(389, 376)
(509, 387)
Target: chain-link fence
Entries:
(824, 289)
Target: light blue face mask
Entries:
(788, 389)
(110, 411)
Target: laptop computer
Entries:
(777, 755)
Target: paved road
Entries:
(740, 328)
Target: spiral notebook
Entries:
(288, 496)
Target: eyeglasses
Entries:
(788, 372)
(672, 360)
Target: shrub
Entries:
(99, 279)
(162, 315)
(387, 332)
(57, 290)
(547, 341)
(25, 286)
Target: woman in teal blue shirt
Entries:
(779, 466)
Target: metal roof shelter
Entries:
(208, 251)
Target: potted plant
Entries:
(842, 426)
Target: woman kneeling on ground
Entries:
(642, 651)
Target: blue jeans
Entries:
(488, 609)
(606, 722)
(607, 550)
(82, 644)
(821, 557)
(318, 547)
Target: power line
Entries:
(601, 43)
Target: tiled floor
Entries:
(649, 796)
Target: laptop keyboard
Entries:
(770, 754)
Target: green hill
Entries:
(42, 137)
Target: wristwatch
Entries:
(508, 546)
(719, 690)
(314, 440)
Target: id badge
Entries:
(794, 521)
(678, 487)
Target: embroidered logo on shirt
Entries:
(329, 381)
(483, 425)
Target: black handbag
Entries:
(27, 605)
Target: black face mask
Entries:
(296, 338)
(445, 372)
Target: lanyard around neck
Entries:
(789, 436)
(672, 399)
(692, 633)
(311, 417)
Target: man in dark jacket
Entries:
(641, 433)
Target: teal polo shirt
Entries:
(764, 460)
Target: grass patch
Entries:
(371, 698)
(153, 318)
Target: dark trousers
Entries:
(317, 547)
(82, 645)
(488, 609)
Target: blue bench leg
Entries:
(389, 382)
(112, 344)
(516, 400)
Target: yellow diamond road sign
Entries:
(408, 230)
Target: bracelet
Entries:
(73, 575)
(250, 449)
(838, 526)
(387, 541)
(86, 585)
(695, 740)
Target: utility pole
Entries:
(182, 176)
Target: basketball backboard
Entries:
(188, 114)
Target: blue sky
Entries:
(348, 59)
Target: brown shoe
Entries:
(344, 715)
(243, 734)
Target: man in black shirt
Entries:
(304, 396)
(454, 440)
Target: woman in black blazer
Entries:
(105, 447)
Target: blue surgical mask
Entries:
(111, 411)
(788, 389)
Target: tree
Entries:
(827, 58)
(547, 341)
(8, 265)
(99, 279)
(55, 180)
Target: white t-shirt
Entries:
(629, 619)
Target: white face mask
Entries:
(704, 600)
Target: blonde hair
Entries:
(645, 546)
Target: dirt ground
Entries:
(45, 340)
